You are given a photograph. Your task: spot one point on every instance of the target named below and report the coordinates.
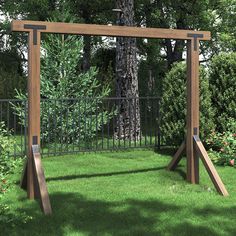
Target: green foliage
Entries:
(173, 105)
(104, 59)
(7, 164)
(11, 74)
(222, 78)
(68, 111)
(225, 25)
(223, 145)
(150, 78)
(7, 217)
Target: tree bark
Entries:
(128, 124)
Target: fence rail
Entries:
(86, 124)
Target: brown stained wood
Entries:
(177, 157)
(34, 106)
(40, 181)
(36, 184)
(210, 167)
(105, 30)
(192, 110)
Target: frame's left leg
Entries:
(192, 109)
(33, 105)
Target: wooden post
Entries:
(33, 104)
(192, 109)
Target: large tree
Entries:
(128, 126)
(90, 12)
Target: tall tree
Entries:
(195, 15)
(90, 12)
(127, 76)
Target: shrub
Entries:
(173, 105)
(7, 167)
(223, 145)
(222, 78)
(7, 164)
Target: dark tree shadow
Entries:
(169, 151)
(95, 175)
(75, 214)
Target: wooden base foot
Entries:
(177, 157)
(42, 191)
(215, 178)
(39, 183)
(199, 150)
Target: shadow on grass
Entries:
(85, 176)
(181, 172)
(72, 213)
(169, 151)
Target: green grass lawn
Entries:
(123, 193)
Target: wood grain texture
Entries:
(33, 105)
(105, 30)
(177, 157)
(192, 110)
(210, 167)
(40, 181)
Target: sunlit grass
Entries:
(123, 193)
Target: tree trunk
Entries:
(128, 124)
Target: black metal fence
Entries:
(86, 124)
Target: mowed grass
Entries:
(123, 193)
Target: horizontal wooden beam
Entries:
(105, 30)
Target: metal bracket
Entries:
(196, 138)
(35, 148)
(195, 134)
(35, 28)
(195, 37)
(35, 140)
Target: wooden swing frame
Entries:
(33, 179)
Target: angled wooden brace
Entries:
(39, 182)
(177, 157)
(215, 178)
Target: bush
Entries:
(222, 78)
(7, 164)
(223, 145)
(173, 105)
(7, 167)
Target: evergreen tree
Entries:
(173, 105)
(69, 110)
(222, 76)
